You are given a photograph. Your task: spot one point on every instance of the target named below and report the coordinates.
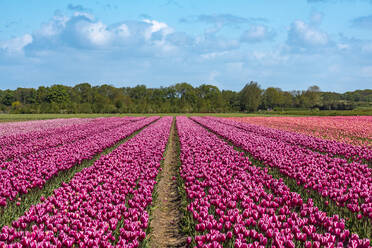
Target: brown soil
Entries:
(166, 217)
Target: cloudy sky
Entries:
(290, 44)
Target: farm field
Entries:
(356, 130)
(293, 113)
(186, 181)
(28, 117)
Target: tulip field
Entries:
(356, 130)
(241, 182)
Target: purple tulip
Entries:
(87, 210)
(217, 175)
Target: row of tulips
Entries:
(25, 173)
(17, 128)
(355, 130)
(44, 131)
(34, 142)
(235, 204)
(103, 205)
(330, 147)
(348, 184)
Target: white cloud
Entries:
(96, 33)
(123, 31)
(81, 30)
(84, 14)
(343, 46)
(302, 35)
(257, 33)
(16, 45)
(212, 55)
(153, 52)
(54, 26)
(155, 27)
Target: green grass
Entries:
(28, 117)
(304, 112)
(291, 112)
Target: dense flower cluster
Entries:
(15, 128)
(18, 138)
(21, 174)
(235, 204)
(330, 147)
(356, 130)
(348, 184)
(103, 205)
(23, 144)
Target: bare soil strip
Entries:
(166, 217)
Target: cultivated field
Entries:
(186, 181)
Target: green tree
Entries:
(25, 95)
(83, 92)
(231, 101)
(8, 97)
(209, 99)
(187, 97)
(272, 97)
(250, 97)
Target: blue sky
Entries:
(290, 44)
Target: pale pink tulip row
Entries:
(20, 138)
(348, 184)
(356, 130)
(16, 128)
(36, 141)
(330, 147)
(109, 197)
(21, 175)
(235, 204)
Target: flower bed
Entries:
(235, 204)
(20, 175)
(103, 205)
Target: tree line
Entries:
(178, 98)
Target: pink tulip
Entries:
(345, 183)
(217, 175)
(87, 210)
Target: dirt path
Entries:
(165, 225)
